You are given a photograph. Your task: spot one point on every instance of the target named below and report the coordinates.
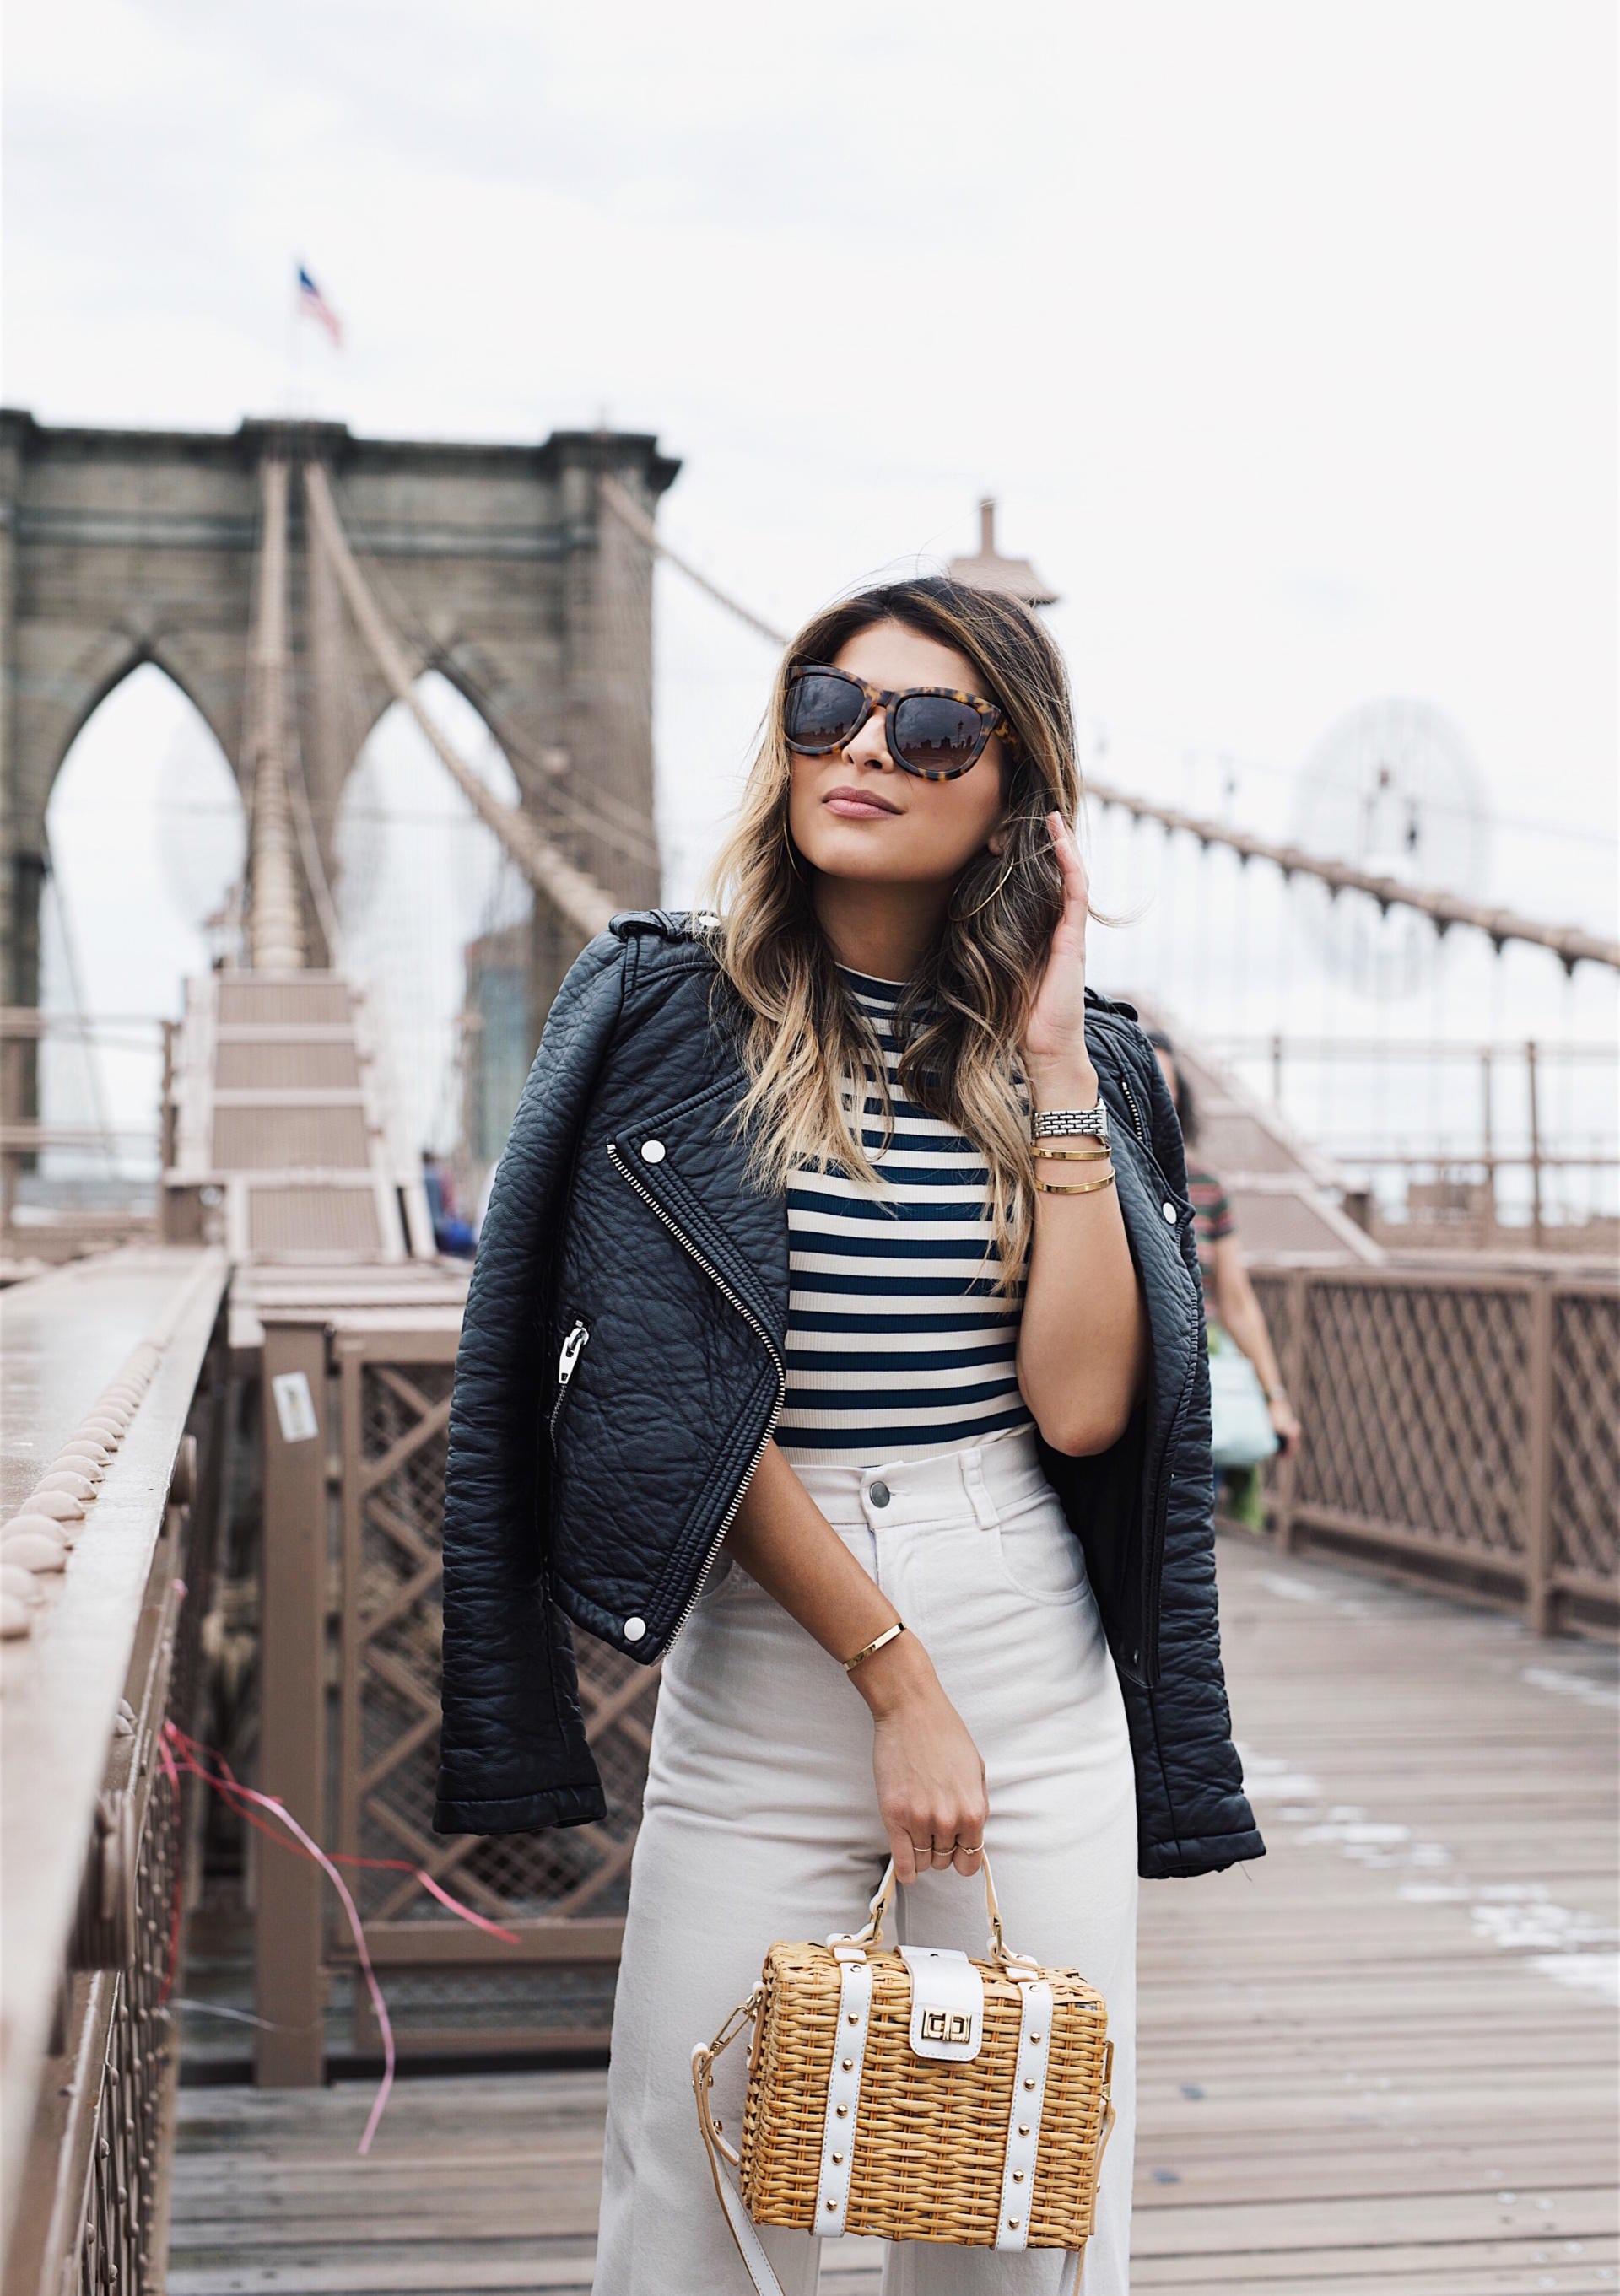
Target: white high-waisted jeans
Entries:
(761, 1823)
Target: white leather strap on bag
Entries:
(844, 2090)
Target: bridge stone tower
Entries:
(497, 564)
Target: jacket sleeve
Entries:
(1203, 1820)
(513, 1751)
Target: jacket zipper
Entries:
(1130, 1103)
(1139, 1127)
(579, 1332)
(772, 1350)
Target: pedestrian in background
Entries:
(1231, 1302)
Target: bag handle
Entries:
(751, 2248)
(870, 1935)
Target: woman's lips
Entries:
(853, 807)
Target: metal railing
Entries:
(1461, 1426)
(1537, 1114)
(352, 1559)
(99, 1654)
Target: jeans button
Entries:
(879, 1494)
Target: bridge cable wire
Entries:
(607, 817)
(83, 1029)
(1569, 943)
(587, 904)
(628, 511)
(275, 915)
(309, 848)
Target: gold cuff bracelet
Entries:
(876, 1644)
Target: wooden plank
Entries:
(289, 2042)
(1375, 2059)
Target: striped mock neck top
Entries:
(897, 1345)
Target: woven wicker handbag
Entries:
(917, 2095)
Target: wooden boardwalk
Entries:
(1384, 2056)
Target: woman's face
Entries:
(855, 814)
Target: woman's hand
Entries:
(1285, 1424)
(932, 1795)
(1054, 1045)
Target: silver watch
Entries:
(1071, 1123)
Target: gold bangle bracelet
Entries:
(1073, 1155)
(1073, 1188)
(876, 1644)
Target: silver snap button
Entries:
(653, 1153)
(634, 1629)
(1168, 1209)
(879, 1494)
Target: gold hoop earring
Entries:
(960, 916)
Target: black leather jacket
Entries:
(621, 1370)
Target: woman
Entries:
(1231, 1298)
(890, 1428)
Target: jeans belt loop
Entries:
(978, 1489)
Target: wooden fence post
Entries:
(1292, 1367)
(1533, 1103)
(1538, 1526)
(289, 2047)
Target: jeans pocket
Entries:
(1040, 1556)
(724, 1577)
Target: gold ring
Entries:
(970, 1849)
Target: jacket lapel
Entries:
(685, 1160)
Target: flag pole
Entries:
(295, 346)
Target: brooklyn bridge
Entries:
(263, 2029)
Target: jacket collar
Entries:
(684, 1160)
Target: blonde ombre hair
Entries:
(808, 1047)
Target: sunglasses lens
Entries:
(934, 733)
(822, 710)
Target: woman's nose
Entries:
(870, 746)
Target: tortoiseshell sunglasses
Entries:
(932, 731)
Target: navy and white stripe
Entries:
(897, 1344)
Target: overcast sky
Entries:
(1284, 333)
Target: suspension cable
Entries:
(275, 915)
(586, 905)
(628, 511)
(1569, 943)
(609, 818)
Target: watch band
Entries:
(1067, 1123)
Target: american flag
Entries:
(311, 300)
